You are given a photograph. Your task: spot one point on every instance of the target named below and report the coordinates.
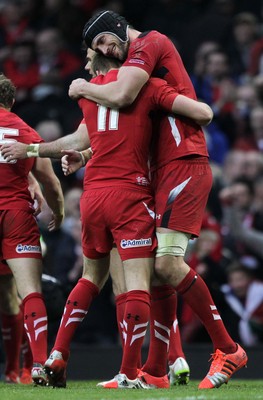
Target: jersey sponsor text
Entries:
(27, 248)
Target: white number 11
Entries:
(113, 118)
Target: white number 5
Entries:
(3, 140)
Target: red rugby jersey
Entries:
(178, 137)
(14, 192)
(120, 139)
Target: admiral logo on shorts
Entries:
(27, 248)
(125, 244)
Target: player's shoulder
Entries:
(152, 34)
(24, 131)
(103, 79)
(97, 79)
(151, 41)
(152, 37)
(15, 121)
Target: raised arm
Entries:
(200, 112)
(44, 173)
(79, 140)
(118, 94)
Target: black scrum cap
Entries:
(105, 22)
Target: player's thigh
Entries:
(20, 235)
(97, 240)
(133, 224)
(27, 273)
(138, 273)
(117, 273)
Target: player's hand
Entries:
(55, 222)
(76, 88)
(14, 151)
(71, 161)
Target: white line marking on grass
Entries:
(177, 398)
(188, 398)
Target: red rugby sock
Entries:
(12, 331)
(175, 348)
(76, 308)
(195, 292)
(135, 322)
(163, 309)
(35, 323)
(120, 301)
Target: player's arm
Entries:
(200, 112)
(117, 94)
(36, 193)
(44, 173)
(79, 140)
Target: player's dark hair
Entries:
(7, 91)
(104, 64)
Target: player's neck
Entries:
(4, 108)
(133, 34)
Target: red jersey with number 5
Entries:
(14, 192)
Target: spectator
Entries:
(63, 258)
(242, 305)
(198, 75)
(49, 130)
(13, 22)
(21, 66)
(243, 225)
(258, 190)
(254, 139)
(233, 166)
(247, 97)
(217, 143)
(253, 165)
(245, 32)
(72, 199)
(56, 62)
(217, 87)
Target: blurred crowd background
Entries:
(221, 44)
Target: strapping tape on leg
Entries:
(172, 244)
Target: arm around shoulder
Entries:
(117, 94)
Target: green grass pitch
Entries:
(87, 390)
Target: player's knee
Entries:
(170, 254)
